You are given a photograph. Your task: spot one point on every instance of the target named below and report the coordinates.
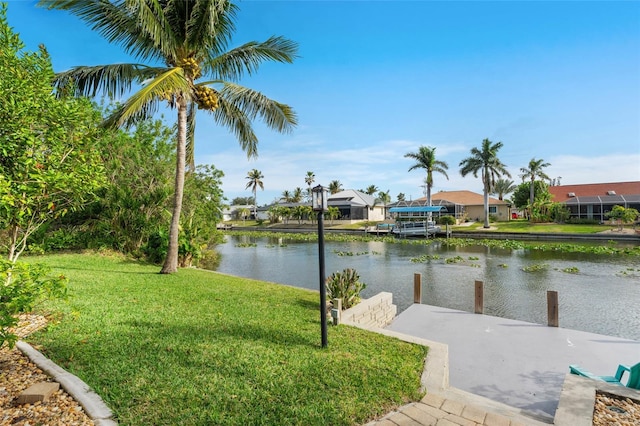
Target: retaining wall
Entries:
(376, 312)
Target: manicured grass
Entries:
(202, 348)
(523, 226)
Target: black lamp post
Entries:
(319, 204)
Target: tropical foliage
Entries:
(22, 285)
(133, 204)
(486, 162)
(503, 187)
(425, 159)
(531, 172)
(520, 196)
(188, 67)
(255, 177)
(623, 215)
(345, 286)
(48, 162)
(335, 186)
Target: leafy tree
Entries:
(332, 213)
(278, 213)
(335, 186)
(22, 286)
(301, 212)
(623, 215)
(48, 161)
(133, 204)
(242, 213)
(401, 196)
(533, 171)
(255, 180)
(201, 212)
(520, 196)
(426, 159)
(242, 200)
(503, 187)
(183, 42)
(485, 161)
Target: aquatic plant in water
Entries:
(601, 249)
(536, 267)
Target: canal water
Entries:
(597, 293)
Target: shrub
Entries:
(446, 220)
(346, 286)
(582, 221)
(22, 286)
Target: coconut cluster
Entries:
(206, 98)
(191, 67)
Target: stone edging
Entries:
(90, 401)
(578, 397)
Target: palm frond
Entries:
(210, 24)
(254, 104)
(152, 21)
(233, 64)
(145, 101)
(117, 21)
(191, 132)
(114, 80)
(232, 117)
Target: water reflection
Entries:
(601, 298)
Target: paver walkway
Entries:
(436, 410)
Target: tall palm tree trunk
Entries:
(255, 203)
(487, 187)
(532, 191)
(429, 214)
(171, 262)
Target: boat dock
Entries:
(516, 363)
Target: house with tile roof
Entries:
(595, 200)
(468, 204)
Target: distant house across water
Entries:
(595, 200)
(462, 205)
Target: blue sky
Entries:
(376, 79)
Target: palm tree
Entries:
(335, 186)
(297, 195)
(532, 172)
(286, 196)
(309, 179)
(371, 189)
(426, 159)
(181, 41)
(385, 198)
(486, 161)
(503, 187)
(255, 180)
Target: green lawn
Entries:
(201, 348)
(523, 226)
(517, 226)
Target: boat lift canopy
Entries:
(417, 209)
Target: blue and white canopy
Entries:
(417, 209)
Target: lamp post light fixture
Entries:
(319, 204)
